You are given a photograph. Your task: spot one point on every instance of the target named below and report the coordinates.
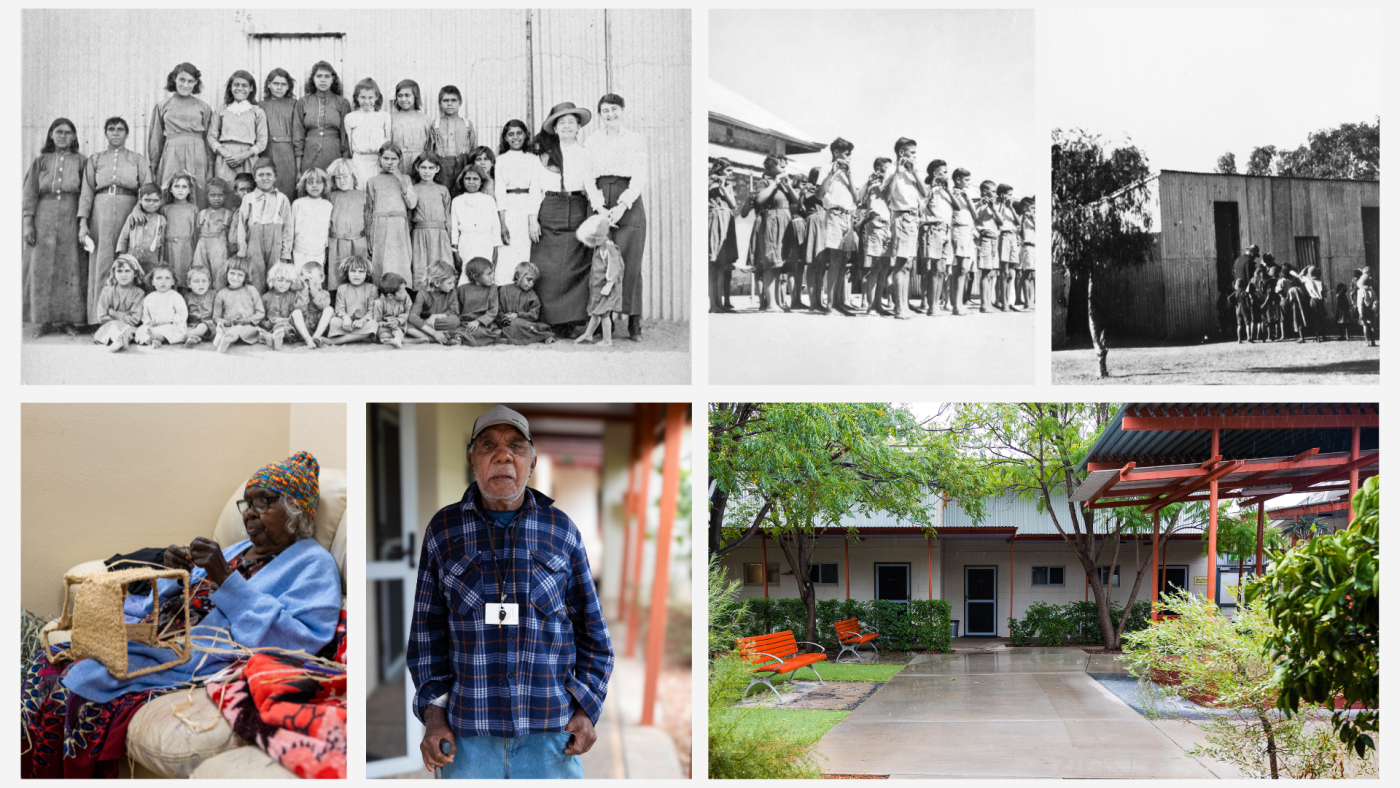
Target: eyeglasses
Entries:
(259, 503)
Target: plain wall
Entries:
(102, 479)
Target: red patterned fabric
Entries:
(291, 708)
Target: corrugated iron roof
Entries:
(1269, 177)
(728, 105)
(1167, 447)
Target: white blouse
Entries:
(519, 170)
(623, 154)
(578, 175)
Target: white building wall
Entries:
(912, 550)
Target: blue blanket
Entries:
(292, 603)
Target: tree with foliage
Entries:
(1237, 533)
(1099, 216)
(1324, 600)
(1351, 151)
(1225, 165)
(1224, 663)
(1032, 450)
(795, 471)
(1261, 160)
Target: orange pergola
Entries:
(650, 421)
(1155, 454)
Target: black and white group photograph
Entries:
(1216, 219)
(871, 196)
(356, 196)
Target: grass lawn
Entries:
(802, 725)
(835, 671)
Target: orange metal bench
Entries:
(775, 655)
(849, 635)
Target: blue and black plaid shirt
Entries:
(507, 680)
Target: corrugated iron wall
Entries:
(88, 65)
(1175, 297)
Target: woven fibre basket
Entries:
(98, 624)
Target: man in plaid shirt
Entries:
(513, 677)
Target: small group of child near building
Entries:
(1276, 303)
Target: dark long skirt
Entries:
(55, 270)
(321, 150)
(563, 260)
(630, 235)
(109, 212)
(285, 162)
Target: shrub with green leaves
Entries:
(922, 623)
(1225, 663)
(1074, 622)
(1324, 600)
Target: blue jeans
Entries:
(538, 756)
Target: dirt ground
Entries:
(805, 347)
(1334, 362)
(662, 357)
(805, 694)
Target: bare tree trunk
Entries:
(1096, 327)
(1272, 750)
(799, 555)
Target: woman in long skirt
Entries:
(620, 165)
(318, 121)
(54, 270)
(570, 188)
(110, 182)
(724, 248)
(278, 106)
(179, 125)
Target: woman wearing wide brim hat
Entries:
(620, 163)
(570, 195)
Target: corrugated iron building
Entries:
(1204, 220)
(88, 65)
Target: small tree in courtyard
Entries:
(1224, 664)
(1324, 602)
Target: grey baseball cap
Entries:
(501, 415)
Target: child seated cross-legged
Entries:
(199, 307)
(163, 311)
(238, 309)
(279, 302)
(313, 314)
(391, 309)
(119, 305)
(354, 301)
(520, 309)
(478, 305)
(434, 313)
(604, 279)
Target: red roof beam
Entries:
(1301, 422)
(1336, 471)
(1221, 470)
(1363, 476)
(1315, 508)
(1109, 486)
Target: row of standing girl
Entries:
(513, 215)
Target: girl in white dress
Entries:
(518, 195)
(476, 225)
(368, 128)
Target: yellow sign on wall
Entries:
(1200, 581)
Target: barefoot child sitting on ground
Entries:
(238, 309)
(520, 309)
(391, 309)
(313, 314)
(434, 313)
(279, 302)
(163, 311)
(199, 307)
(119, 305)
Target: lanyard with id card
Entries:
(502, 613)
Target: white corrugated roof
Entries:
(726, 103)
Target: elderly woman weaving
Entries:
(277, 589)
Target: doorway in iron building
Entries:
(980, 600)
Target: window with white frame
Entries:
(1103, 575)
(1047, 575)
(824, 574)
(753, 574)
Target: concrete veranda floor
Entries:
(1004, 712)
(804, 347)
(663, 357)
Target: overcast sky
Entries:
(1189, 85)
(961, 83)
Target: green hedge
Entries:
(1075, 622)
(922, 623)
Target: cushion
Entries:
(244, 763)
(172, 747)
(338, 551)
(329, 514)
